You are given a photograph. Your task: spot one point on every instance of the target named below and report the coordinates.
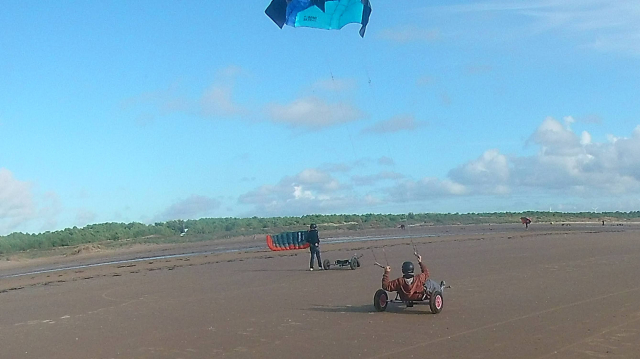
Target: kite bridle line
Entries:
(338, 101)
(385, 256)
(375, 106)
(376, 259)
(415, 249)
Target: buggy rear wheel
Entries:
(436, 302)
(380, 300)
(326, 264)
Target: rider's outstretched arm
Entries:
(390, 286)
(423, 267)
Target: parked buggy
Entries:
(352, 263)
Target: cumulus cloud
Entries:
(17, 204)
(575, 163)
(375, 178)
(567, 164)
(336, 167)
(599, 24)
(425, 189)
(313, 112)
(570, 168)
(49, 211)
(395, 124)
(310, 191)
(193, 207)
(84, 217)
(386, 161)
(556, 139)
(216, 101)
(590, 119)
(491, 168)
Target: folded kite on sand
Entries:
(288, 241)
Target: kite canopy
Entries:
(525, 220)
(321, 14)
(287, 241)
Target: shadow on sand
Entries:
(368, 308)
(275, 270)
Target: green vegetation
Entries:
(115, 234)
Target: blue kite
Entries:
(321, 14)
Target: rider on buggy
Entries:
(410, 287)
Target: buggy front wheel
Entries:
(380, 300)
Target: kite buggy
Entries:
(410, 289)
(352, 263)
(432, 297)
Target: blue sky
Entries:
(156, 110)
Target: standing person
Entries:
(314, 245)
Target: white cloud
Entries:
(50, 209)
(425, 189)
(575, 163)
(17, 205)
(599, 24)
(492, 168)
(193, 207)
(310, 191)
(585, 138)
(313, 112)
(386, 161)
(566, 165)
(556, 139)
(84, 217)
(569, 169)
(395, 124)
(217, 101)
(369, 180)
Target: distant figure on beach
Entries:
(402, 226)
(526, 221)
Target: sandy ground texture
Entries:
(548, 292)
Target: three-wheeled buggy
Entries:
(352, 263)
(432, 297)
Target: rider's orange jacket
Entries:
(413, 291)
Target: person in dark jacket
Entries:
(314, 245)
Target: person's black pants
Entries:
(315, 252)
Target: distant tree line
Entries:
(215, 228)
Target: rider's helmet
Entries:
(407, 269)
(313, 227)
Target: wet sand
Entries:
(548, 292)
